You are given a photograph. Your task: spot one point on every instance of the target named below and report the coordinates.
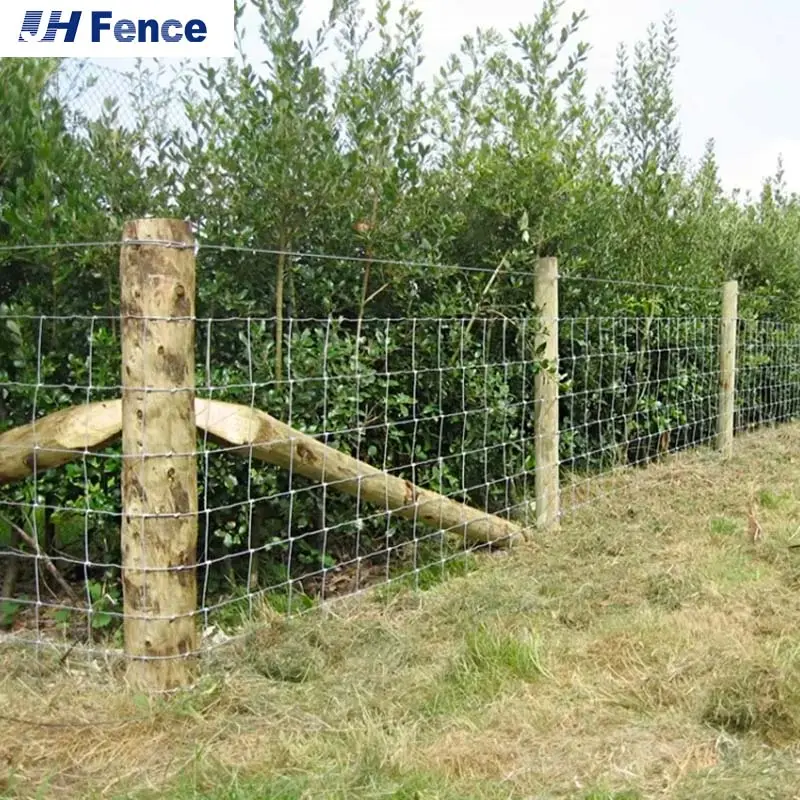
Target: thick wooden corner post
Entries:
(727, 367)
(159, 478)
(546, 396)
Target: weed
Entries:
(490, 651)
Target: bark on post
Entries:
(159, 478)
(546, 396)
(727, 367)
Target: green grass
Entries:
(650, 648)
(489, 660)
(430, 572)
(772, 500)
(724, 526)
(364, 780)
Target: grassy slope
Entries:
(648, 650)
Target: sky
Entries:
(735, 81)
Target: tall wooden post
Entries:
(546, 396)
(727, 367)
(159, 478)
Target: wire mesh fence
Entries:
(768, 375)
(440, 402)
(89, 90)
(636, 390)
(376, 440)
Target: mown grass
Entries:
(648, 649)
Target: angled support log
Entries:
(66, 435)
(58, 438)
(277, 443)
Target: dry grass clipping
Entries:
(649, 648)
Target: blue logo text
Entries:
(103, 25)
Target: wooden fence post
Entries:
(727, 367)
(159, 441)
(546, 396)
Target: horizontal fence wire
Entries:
(260, 251)
(442, 402)
(503, 269)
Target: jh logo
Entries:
(32, 24)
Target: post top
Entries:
(163, 230)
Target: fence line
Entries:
(201, 246)
(388, 450)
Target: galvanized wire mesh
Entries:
(444, 403)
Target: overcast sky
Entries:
(735, 81)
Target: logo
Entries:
(33, 21)
(143, 29)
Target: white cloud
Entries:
(748, 168)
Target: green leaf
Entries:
(100, 619)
